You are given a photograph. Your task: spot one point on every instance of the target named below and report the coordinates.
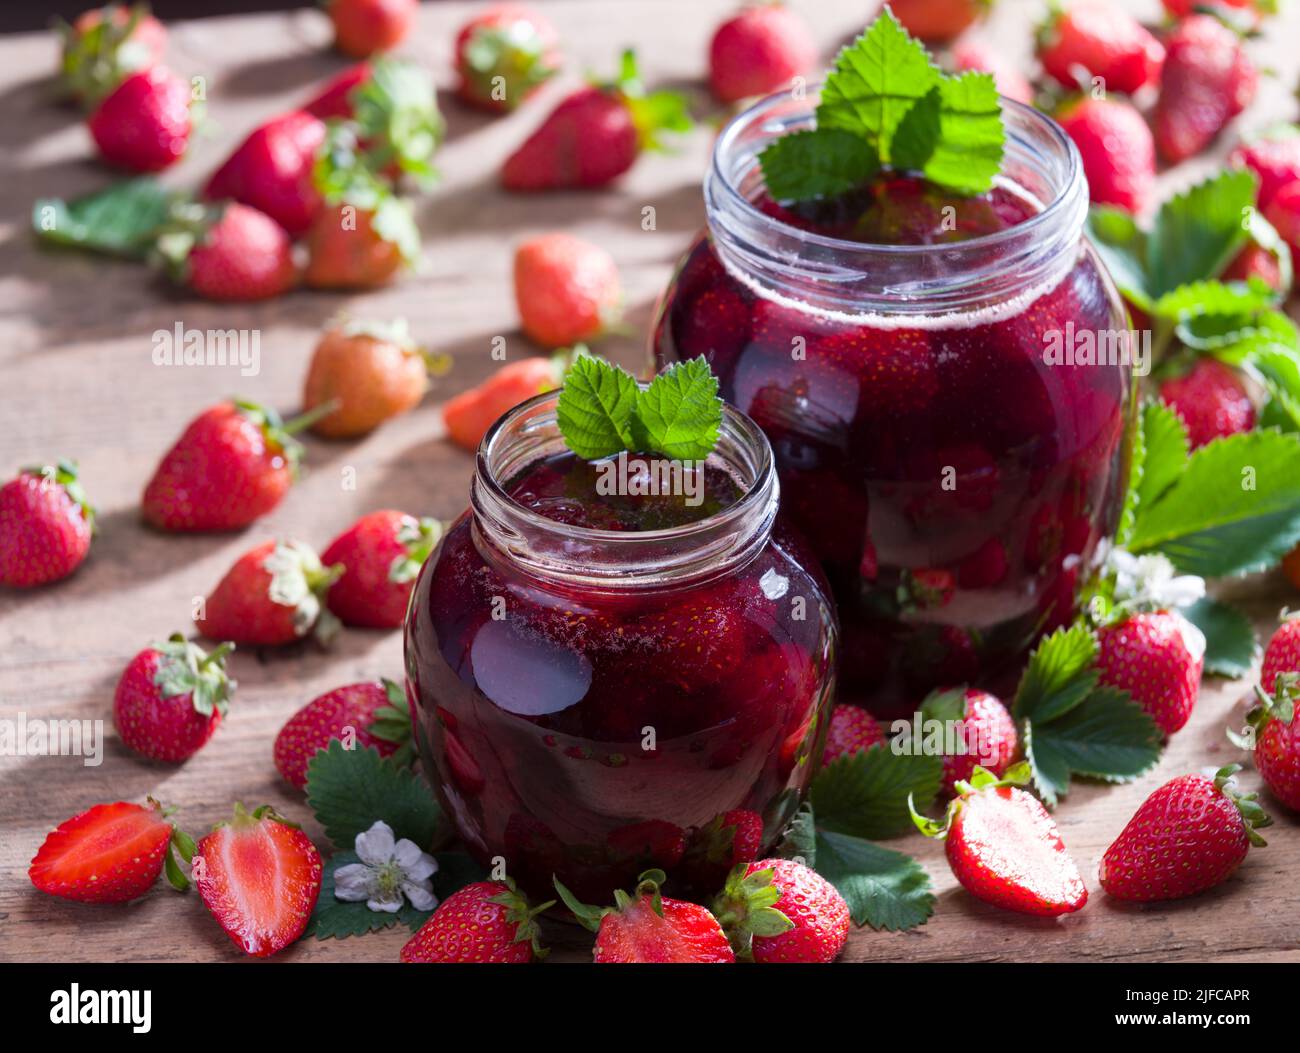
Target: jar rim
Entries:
(1029, 117)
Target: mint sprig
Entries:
(603, 411)
(886, 103)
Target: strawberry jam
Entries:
(943, 438)
(604, 682)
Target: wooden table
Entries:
(76, 379)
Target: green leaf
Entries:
(800, 840)
(1214, 299)
(954, 134)
(1230, 643)
(1235, 508)
(1122, 245)
(1196, 233)
(680, 413)
(595, 408)
(883, 888)
(351, 790)
(865, 794)
(820, 162)
(335, 919)
(1165, 451)
(1137, 471)
(1058, 676)
(122, 220)
(874, 82)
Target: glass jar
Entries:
(594, 702)
(943, 442)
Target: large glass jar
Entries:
(592, 702)
(952, 459)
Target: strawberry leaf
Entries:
(1196, 233)
(336, 919)
(1122, 245)
(122, 220)
(800, 840)
(883, 888)
(1164, 454)
(1058, 676)
(865, 794)
(1230, 644)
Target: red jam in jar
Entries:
(920, 363)
(606, 680)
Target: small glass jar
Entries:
(594, 702)
(952, 462)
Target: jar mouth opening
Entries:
(1017, 115)
(530, 432)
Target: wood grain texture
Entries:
(76, 379)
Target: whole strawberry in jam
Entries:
(46, 523)
(381, 554)
(504, 53)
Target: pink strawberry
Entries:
(272, 595)
(759, 50)
(1274, 157)
(648, 927)
(1157, 657)
(231, 252)
(1119, 157)
(1188, 836)
(984, 731)
(381, 553)
(1005, 849)
(143, 125)
(974, 53)
(851, 730)
(595, 135)
(1284, 213)
(45, 525)
(504, 53)
(486, 922)
(259, 876)
(567, 290)
(1207, 80)
(1211, 401)
(371, 714)
(171, 699)
(1095, 38)
(271, 171)
(778, 910)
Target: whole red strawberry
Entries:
(335, 99)
(104, 44)
(486, 922)
(759, 50)
(1211, 400)
(363, 27)
(233, 464)
(381, 554)
(717, 847)
(1188, 836)
(1274, 157)
(851, 730)
(938, 21)
(1095, 38)
(1255, 261)
(272, 595)
(1282, 655)
(259, 876)
(45, 525)
(567, 289)
(503, 55)
(1119, 155)
(1005, 849)
(110, 853)
(143, 125)
(374, 713)
(646, 926)
(595, 135)
(1276, 742)
(1284, 213)
(171, 698)
(1183, 8)
(1207, 80)
(271, 171)
(1157, 657)
(354, 248)
(778, 910)
(229, 252)
(982, 730)
(468, 415)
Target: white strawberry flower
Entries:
(1151, 580)
(390, 872)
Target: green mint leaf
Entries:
(122, 220)
(1230, 643)
(865, 794)
(954, 134)
(1164, 455)
(1235, 507)
(883, 888)
(350, 790)
(800, 840)
(1196, 233)
(1058, 676)
(335, 919)
(595, 408)
(1122, 245)
(680, 413)
(875, 81)
(819, 163)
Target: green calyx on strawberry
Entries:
(653, 112)
(98, 56)
(522, 916)
(1253, 816)
(64, 474)
(981, 779)
(184, 668)
(345, 175)
(299, 580)
(1279, 705)
(419, 537)
(392, 723)
(279, 433)
(746, 907)
(647, 884)
(396, 119)
(516, 50)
